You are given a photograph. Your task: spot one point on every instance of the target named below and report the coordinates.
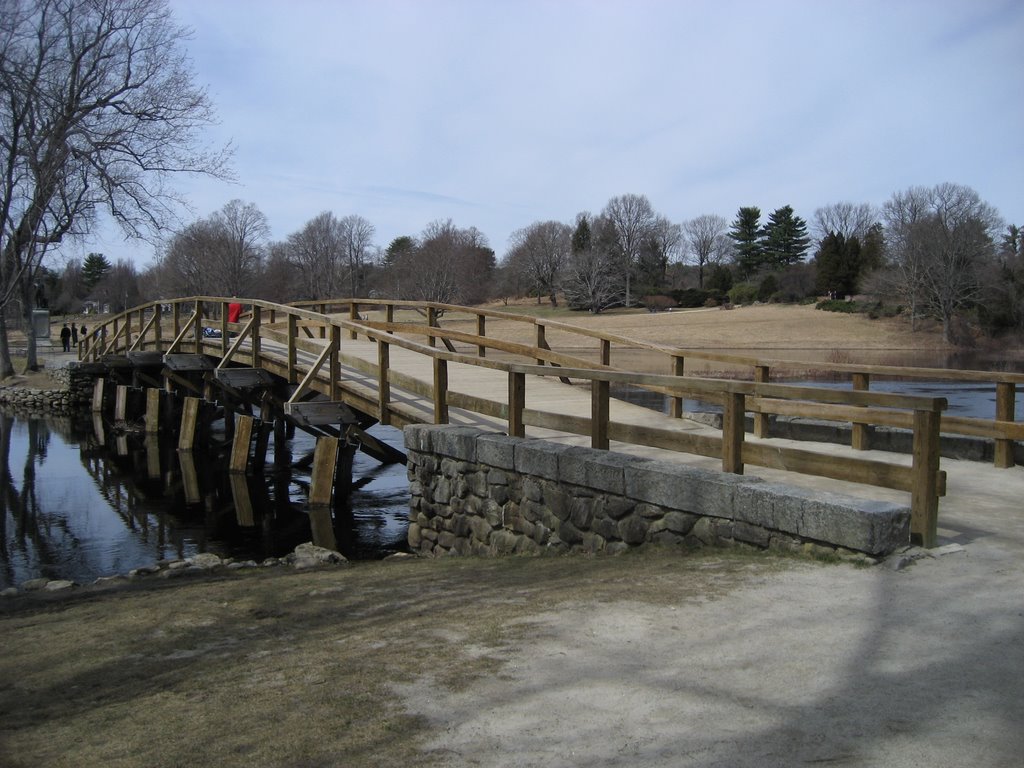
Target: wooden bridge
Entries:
(335, 368)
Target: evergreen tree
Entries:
(838, 263)
(785, 239)
(94, 268)
(746, 232)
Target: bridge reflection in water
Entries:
(76, 507)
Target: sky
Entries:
(497, 114)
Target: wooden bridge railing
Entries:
(1003, 428)
(276, 336)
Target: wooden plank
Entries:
(244, 378)
(924, 494)
(733, 419)
(762, 373)
(863, 471)
(189, 423)
(153, 396)
(828, 412)
(860, 436)
(98, 387)
(678, 363)
(516, 404)
(241, 443)
(378, 449)
(146, 359)
(317, 412)
(325, 460)
(1006, 394)
(440, 391)
(188, 362)
(599, 414)
(120, 402)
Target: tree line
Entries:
(938, 252)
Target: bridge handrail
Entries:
(921, 414)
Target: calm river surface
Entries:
(73, 507)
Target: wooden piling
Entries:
(321, 479)
(239, 460)
(189, 423)
(152, 410)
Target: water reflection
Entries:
(78, 502)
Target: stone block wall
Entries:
(474, 492)
(72, 389)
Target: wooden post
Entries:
(677, 400)
(243, 501)
(924, 493)
(239, 460)
(225, 334)
(383, 385)
(481, 331)
(389, 314)
(1005, 396)
(121, 403)
(432, 322)
(353, 315)
(152, 446)
(197, 327)
(97, 394)
(599, 414)
(541, 341)
(606, 352)
(293, 332)
(189, 421)
(440, 391)
(152, 410)
(516, 403)
(334, 362)
(259, 454)
(321, 479)
(255, 337)
(157, 335)
(732, 432)
(860, 438)
(762, 374)
(176, 319)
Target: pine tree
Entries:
(838, 263)
(746, 232)
(94, 268)
(785, 238)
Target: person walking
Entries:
(65, 337)
(74, 336)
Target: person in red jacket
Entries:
(234, 311)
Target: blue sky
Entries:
(497, 114)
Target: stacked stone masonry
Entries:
(72, 388)
(480, 493)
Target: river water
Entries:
(73, 506)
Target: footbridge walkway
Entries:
(334, 368)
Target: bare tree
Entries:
(98, 111)
(446, 264)
(846, 219)
(940, 241)
(357, 243)
(316, 253)
(243, 232)
(707, 242)
(631, 218)
(592, 279)
(540, 252)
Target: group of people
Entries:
(69, 336)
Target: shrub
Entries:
(743, 293)
(693, 297)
